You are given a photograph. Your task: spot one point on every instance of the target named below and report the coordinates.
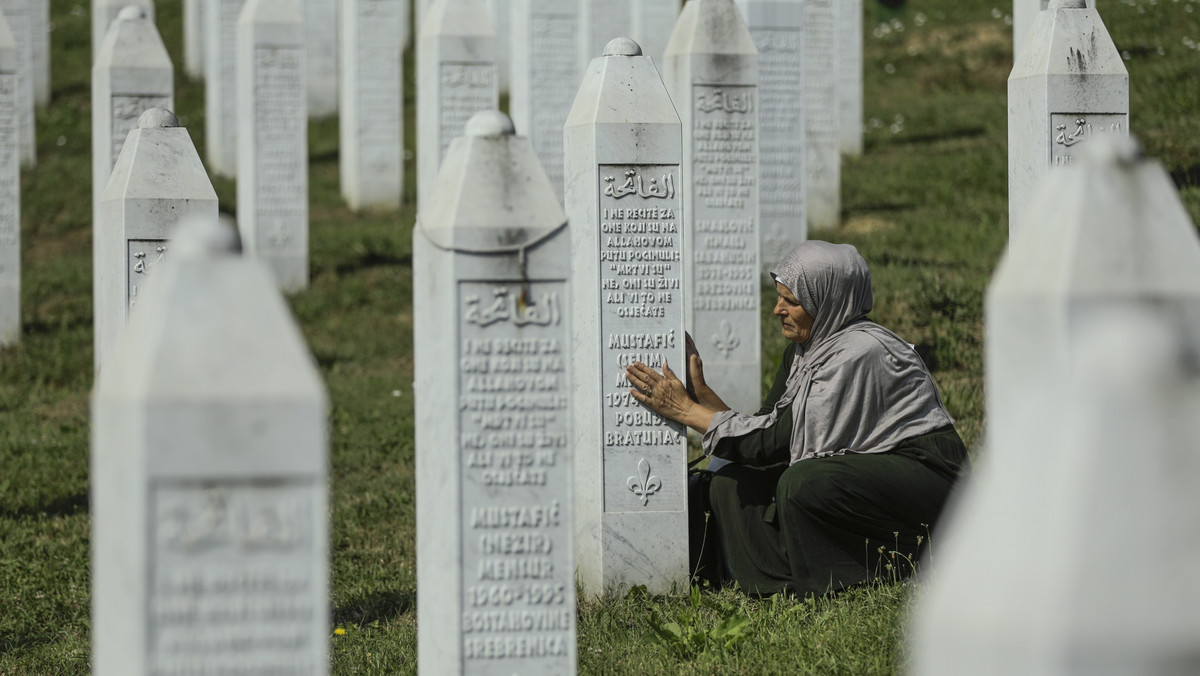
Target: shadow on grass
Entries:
(64, 506)
(381, 606)
(1184, 178)
(372, 259)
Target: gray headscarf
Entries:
(854, 387)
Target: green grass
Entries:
(926, 205)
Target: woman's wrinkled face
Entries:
(797, 324)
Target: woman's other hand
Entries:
(697, 387)
(666, 395)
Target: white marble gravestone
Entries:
(711, 71)
(822, 135)
(1067, 87)
(272, 189)
(849, 61)
(501, 12)
(371, 122)
(491, 272)
(456, 78)
(209, 463)
(132, 74)
(157, 183)
(193, 38)
(1057, 557)
(39, 16)
(10, 192)
(18, 15)
(652, 22)
(778, 31)
(104, 12)
(625, 200)
(220, 86)
(543, 82)
(599, 22)
(321, 42)
(1023, 14)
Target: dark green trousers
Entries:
(824, 524)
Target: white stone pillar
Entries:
(600, 22)
(193, 38)
(321, 43)
(220, 86)
(104, 12)
(501, 12)
(822, 134)
(624, 199)
(39, 15)
(209, 469)
(456, 78)
(371, 123)
(1068, 86)
(711, 71)
(157, 183)
(1052, 561)
(18, 14)
(272, 189)
(778, 30)
(1023, 14)
(849, 58)
(10, 192)
(491, 273)
(132, 74)
(651, 24)
(544, 82)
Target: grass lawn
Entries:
(926, 205)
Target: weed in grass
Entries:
(695, 631)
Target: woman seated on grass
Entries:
(848, 463)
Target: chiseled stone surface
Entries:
(1048, 564)
(624, 198)
(491, 269)
(652, 23)
(371, 123)
(272, 189)
(193, 38)
(157, 183)
(321, 43)
(849, 57)
(1068, 87)
(18, 15)
(711, 71)
(220, 86)
(39, 29)
(1023, 14)
(456, 78)
(209, 463)
(104, 12)
(132, 74)
(10, 192)
(778, 31)
(543, 81)
(824, 163)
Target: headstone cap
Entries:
(1113, 149)
(129, 12)
(622, 47)
(1067, 4)
(156, 118)
(490, 123)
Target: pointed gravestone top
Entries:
(157, 118)
(622, 47)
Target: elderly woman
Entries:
(841, 475)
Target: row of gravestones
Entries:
(502, 262)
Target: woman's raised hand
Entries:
(665, 394)
(697, 387)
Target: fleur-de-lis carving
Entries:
(725, 340)
(646, 484)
